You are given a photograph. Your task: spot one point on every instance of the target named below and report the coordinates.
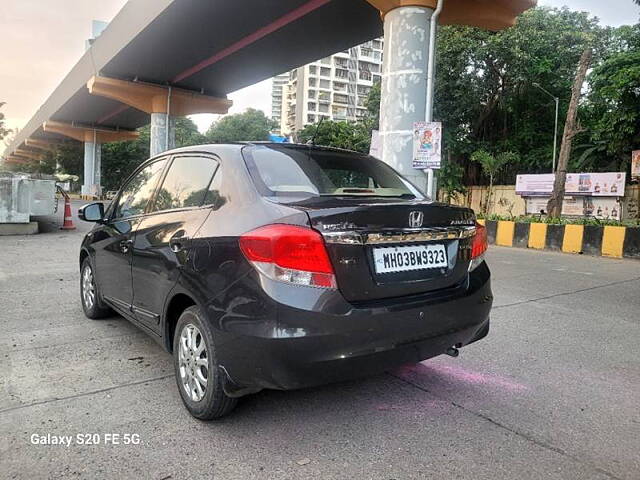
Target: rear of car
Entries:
(359, 270)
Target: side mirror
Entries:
(91, 212)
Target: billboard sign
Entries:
(610, 184)
(535, 185)
(579, 206)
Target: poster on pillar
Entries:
(427, 145)
(635, 165)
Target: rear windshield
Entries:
(299, 172)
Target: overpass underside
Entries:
(207, 47)
(159, 59)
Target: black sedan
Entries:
(283, 266)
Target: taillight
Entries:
(289, 253)
(478, 246)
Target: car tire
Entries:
(92, 303)
(194, 359)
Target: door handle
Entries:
(125, 246)
(179, 244)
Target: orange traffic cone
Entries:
(68, 220)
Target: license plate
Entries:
(402, 259)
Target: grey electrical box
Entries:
(22, 196)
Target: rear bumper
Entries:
(328, 340)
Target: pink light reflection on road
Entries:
(454, 373)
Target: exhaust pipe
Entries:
(452, 352)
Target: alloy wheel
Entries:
(194, 363)
(88, 288)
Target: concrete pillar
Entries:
(97, 168)
(92, 165)
(161, 140)
(404, 86)
(93, 139)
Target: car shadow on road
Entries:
(424, 389)
(386, 392)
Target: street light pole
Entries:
(555, 130)
(432, 183)
(555, 135)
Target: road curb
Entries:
(606, 241)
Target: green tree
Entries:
(485, 95)
(613, 105)
(70, 157)
(571, 129)
(372, 103)
(187, 133)
(450, 180)
(251, 125)
(120, 159)
(491, 166)
(351, 136)
(3, 130)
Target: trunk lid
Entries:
(367, 240)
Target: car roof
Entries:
(216, 147)
(234, 148)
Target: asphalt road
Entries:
(552, 393)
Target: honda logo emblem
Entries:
(415, 219)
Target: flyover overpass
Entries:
(162, 58)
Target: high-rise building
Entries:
(277, 93)
(335, 87)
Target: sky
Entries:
(43, 39)
(610, 12)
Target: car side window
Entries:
(138, 191)
(186, 183)
(214, 195)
